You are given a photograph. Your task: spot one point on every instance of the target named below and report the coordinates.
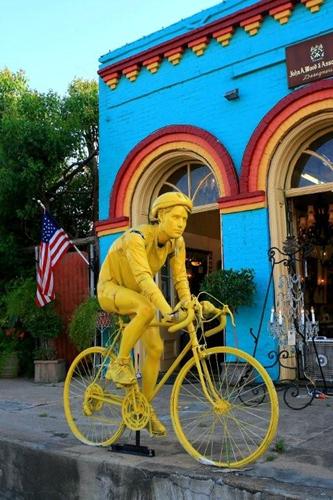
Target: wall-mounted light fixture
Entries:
(231, 95)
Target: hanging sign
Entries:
(310, 61)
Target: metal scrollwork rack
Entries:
(294, 328)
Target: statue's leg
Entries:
(120, 300)
(153, 346)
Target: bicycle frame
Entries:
(197, 350)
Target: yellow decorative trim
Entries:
(281, 131)
(174, 56)
(152, 64)
(131, 72)
(251, 26)
(282, 13)
(243, 208)
(199, 46)
(113, 80)
(132, 76)
(105, 232)
(153, 67)
(199, 49)
(313, 5)
(112, 83)
(181, 146)
(224, 39)
(283, 16)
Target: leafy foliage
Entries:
(82, 328)
(235, 288)
(20, 314)
(48, 151)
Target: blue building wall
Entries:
(246, 244)
(192, 93)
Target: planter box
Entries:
(50, 371)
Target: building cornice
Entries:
(197, 40)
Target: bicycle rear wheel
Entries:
(92, 404)
(238, 427)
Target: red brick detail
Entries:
(315, 92)
(241, 199)
(198, 41)
(225, 31)
(71, 284)
(251, 20)
(161, 135)
(115, 223)
(129, 69)
(151, 60)
(281, 8)
(176, 50)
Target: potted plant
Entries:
(235, 288)
(42, 324)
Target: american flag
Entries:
(55, 243)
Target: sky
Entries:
(55, 41)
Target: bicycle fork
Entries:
(221, 405)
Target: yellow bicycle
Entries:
(224, 407)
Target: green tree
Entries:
(48, 151)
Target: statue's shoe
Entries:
(120, 372)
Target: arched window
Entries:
(195, 180)
(315, 165)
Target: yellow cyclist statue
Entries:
(126, 286)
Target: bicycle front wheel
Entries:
(92, 404)
(237, 423)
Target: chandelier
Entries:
(316, 227)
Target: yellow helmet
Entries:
(170, 199)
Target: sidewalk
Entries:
(40, 459)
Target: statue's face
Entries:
(173, 221)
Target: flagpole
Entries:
(41, 205)
(81, 254)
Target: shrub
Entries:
(235, 288)
(82, 327)
(19, 311)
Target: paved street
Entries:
(41, 459)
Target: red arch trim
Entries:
(288, 105)
(163, 136)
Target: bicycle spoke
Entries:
(235, 426)
(92, 404)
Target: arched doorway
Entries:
(300, 188)
(310, 219)
(188, 173)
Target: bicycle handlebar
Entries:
(202, 309)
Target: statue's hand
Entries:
(176, 316)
